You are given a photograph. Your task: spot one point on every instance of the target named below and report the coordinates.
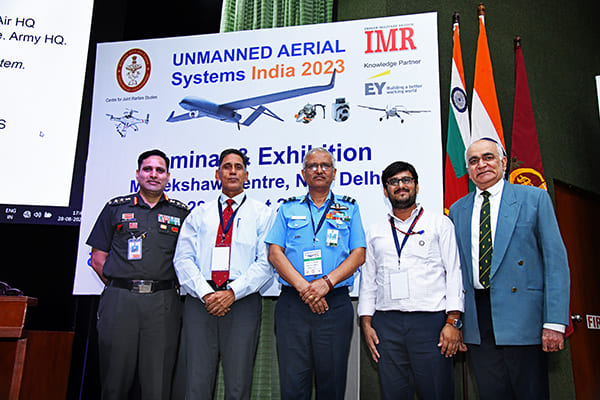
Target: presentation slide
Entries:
(43, 53)
(366, 90)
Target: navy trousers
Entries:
(506, 372)
(410, 356)
(312, 345)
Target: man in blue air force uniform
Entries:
(316, 244)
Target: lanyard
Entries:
(225, 229)
(406, 234)
(315, 231)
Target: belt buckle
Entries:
(141, 286)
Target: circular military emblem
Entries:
(528, 177)
(459, 99)
(133, 70)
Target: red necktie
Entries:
(220, 277)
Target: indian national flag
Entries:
(456, 178)
(485, 115)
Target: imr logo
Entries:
(388, 40)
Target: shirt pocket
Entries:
(298, 229)
(167, 238)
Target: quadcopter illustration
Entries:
(128, 121)
(395, 111)
(226, 112)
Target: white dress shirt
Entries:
(495, 198)
(248, 265)
(430, 259)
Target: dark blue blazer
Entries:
(529, 278)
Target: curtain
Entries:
(240, 15)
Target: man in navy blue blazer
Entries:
(520, 309)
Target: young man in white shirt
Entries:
(411, 293)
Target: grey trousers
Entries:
(232, 338)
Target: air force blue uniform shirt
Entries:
(294, 231)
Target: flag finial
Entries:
(481, 10)
(517, 42)
(456, 18)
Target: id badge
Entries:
(220, 258)
(332, 237)
(134, 249)
(399, 285)
(312, 262)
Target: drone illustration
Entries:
(308, 113)
(395, 111)
(226, 112)
(128, 121)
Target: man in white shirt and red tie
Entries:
(411, 293)
(221, 263)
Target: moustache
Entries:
(401, 191)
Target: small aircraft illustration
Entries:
(128, 121)
(226, 112)
(395, 111)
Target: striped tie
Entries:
(485, 241)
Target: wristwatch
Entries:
(457, 323)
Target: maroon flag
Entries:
(526, 161)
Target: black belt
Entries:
(142, 285)
(216, 288)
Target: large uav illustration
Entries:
(226, 112)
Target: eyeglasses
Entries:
(407, 180)
(314, 167)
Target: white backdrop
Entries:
(382, 63)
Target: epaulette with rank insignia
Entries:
(291, 199)
(348, 199)
(117, 201)
(179, 204)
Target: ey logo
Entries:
(375, 88)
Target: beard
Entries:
(405, 203)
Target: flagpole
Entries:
(463, 356)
